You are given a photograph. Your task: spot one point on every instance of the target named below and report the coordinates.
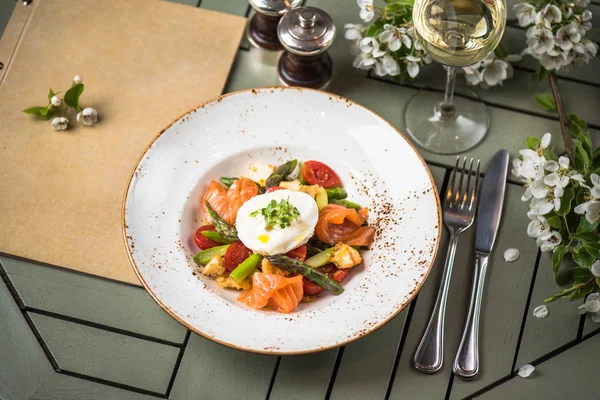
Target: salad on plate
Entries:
(284, 239)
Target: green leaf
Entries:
(40, 112)
(34, 110)
(565, 202)
(596, 157)
(50, 95)
(585, 226)
(532, 142)
(586, 236)
(72, 96)
(543, 74)
(557, 257)
(582, 159)
(546, 101)
(576, 122)
(593, 248)
(580, 274)
(584, 260)
(555, 222)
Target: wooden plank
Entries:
(88, 298)
(212, 371)
(6, 9)
(541, 336)
(571, 374)
(236, 7)
(107, 355)
(304, 377)
(64, 387)
(23, 365)
(516, 93)
(364, 371)
(505, 296)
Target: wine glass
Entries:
(455, 33)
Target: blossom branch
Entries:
(564, 124)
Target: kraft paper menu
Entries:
(143, 63)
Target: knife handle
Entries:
(466, 363)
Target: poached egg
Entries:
(255, 235)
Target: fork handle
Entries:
(466, 363)
(429, 356)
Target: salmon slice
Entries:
(274, 291)
(340, 224)
(226, 202)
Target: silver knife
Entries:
(466, 363)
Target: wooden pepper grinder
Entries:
(262, 29)
(306, 33)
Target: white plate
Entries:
(379, 168)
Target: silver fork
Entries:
(459, 213)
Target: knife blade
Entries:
(491, 201)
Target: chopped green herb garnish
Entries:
(278, 214)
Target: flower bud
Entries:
(88, 116)
(59, 123)
(77, 79)
(55, 101)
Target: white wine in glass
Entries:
(455, 33)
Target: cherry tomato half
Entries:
(299, 253)
(202, 241)
(317, 173)
(274, 188)
(235, 255)
(312, 289)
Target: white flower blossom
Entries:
(59, 123)
(526, 370)
(354, 31)
(538, 227)
(55, 101)
(591, 306)
(549, 13)
(77, 79)
(88, 116)
(367, 10)
(540, 311)
(525, 13)
(595, 268)
(413, 66)
(370, 45)
(548, 241)
(567, 36)
(511, 255)
(395, 37)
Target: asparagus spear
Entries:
(298, 267)
(336, 193)
(228, 181)
(212, 235)
(246, 268)
(320, 259)
(205, 256)
(222, 227)
(346, 203)
(280, 173)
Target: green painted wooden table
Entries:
(69, 336)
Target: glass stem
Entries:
(447, 106)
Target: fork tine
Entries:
(475, 192)
(466, 193)
(451, 184)
(458, 198)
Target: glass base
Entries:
(446, 131)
